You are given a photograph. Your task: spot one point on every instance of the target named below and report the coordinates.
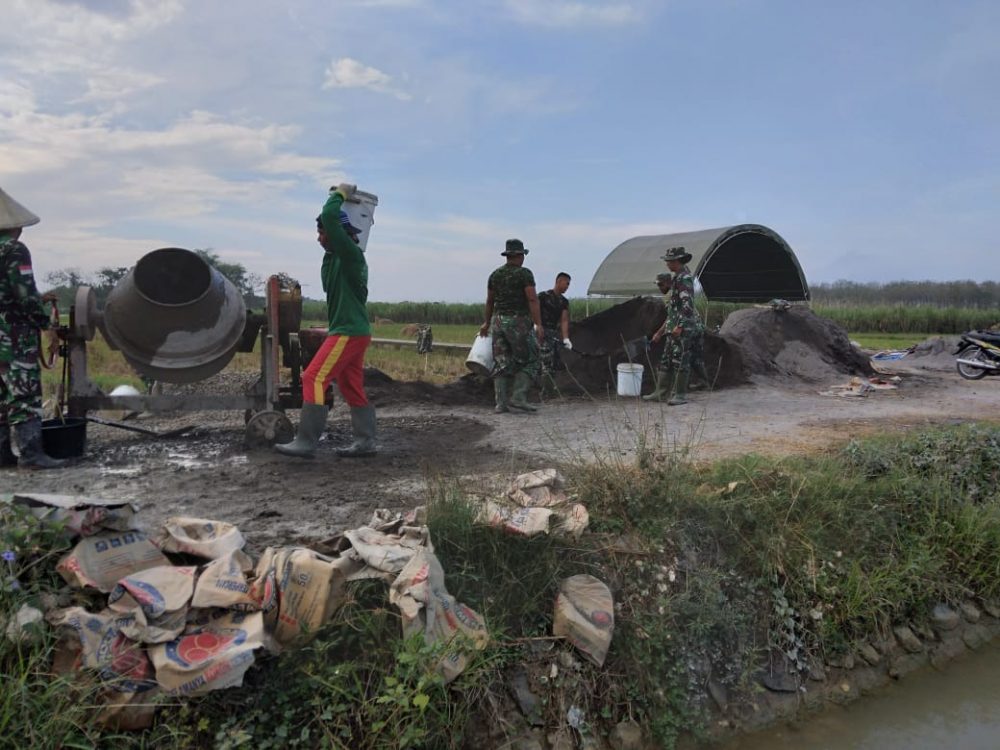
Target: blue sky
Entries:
(864, 132)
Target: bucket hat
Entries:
(13, 215)
(514, 247)
(677, 253)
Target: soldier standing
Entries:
(554, 309)
(511, 309)
(21, 315)
(683, 329)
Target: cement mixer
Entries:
(176, 319)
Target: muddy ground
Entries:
(274, 499)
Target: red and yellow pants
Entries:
(340, 358)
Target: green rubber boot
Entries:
(680, 390)
(664, 380)
(363, 429)
(7, 457)
(519, 399)
(29, 441)
(312, 422)
(501, 388)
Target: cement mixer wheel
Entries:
(265, 428)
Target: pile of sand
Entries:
(794, 343)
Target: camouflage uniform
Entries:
(515, 348)
(551, 305)
(21, 315)
(679, 351)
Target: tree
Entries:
(245, 282)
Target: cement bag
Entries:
(223, 583)
(213, 654)
(585, 615)
(81, 516)
(298, 590)
(153, 603)
(102, 560)
(428, 608)
(200, 537)
(521, 521)
(387, 552)
(542, 488)
(572, 521)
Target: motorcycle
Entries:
(978, 354)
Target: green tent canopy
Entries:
(743, 263)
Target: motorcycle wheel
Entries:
(968, 371)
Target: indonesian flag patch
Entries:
(26, 270)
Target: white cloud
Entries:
(559, 13)
(347, 73)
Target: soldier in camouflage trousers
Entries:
(22, 313)
(511, 311)
(684, 331)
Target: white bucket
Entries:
(480, 359)
(629, 379)
(361, 210)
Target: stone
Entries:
(946, 651)
(907, 639)
(561, 740)
(869, 654)
(944, 618)
(976, 636)
(902, 665)
(780, 682)
(924, 631)
(527, 701)
(26, 624)
(970, 611)
(991, 608)
(816, 671)
(719, 694)
(567, 662)
(844, 662)
(627, 735)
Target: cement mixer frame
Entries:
(264, 402)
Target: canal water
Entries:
(958, 709)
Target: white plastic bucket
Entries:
(361, 210)
(480, 359)
(629, 379)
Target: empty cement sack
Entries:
(214, 653)
(153, 603)
(200, 537)
(104, 559)
(223, 583)
(541, 488)
(80, 515)
(584, 615)
(428, 608)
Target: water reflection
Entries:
(958, 710)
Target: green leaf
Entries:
(420, 700)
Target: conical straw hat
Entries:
(13, 215)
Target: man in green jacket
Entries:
(342, 355)
(21, 315)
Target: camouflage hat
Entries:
(514, 247)
(665, 276)
(13, 215)
(677, 253)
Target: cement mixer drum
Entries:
(175, 317)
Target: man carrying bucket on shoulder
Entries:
(511, 310)
(341, 357)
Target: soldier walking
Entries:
(554, 309)
(21, 315)
(683, 329)
(511, 310)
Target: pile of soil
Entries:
(794, 343)
(935, 353)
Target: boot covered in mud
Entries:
(363, 428)
(519, 399)
(501, 389)
(664, 382)
(703, 380)
(680, 390)
(7, 458)
(33, 455)
(312, 422)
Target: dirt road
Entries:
(275, 499)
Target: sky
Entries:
(865, 133)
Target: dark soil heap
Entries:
(794, 343)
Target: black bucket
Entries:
(64, 438)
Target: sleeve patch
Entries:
(26, 270)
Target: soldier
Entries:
(663, 282)
(341, 357)
(511, 309)
(21, 315)
(554, 309)
(684, 328)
